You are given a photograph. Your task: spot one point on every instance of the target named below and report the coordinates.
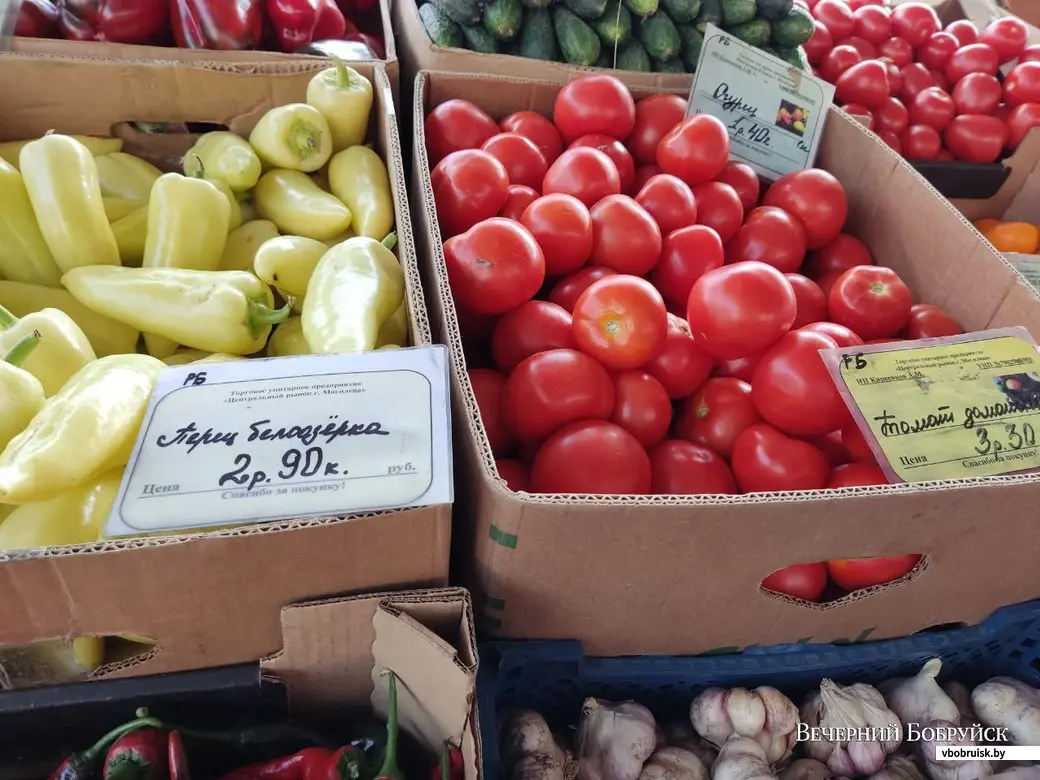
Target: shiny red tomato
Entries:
(821, 42)
(644, 173)
(569, 289)
(562, 226)
(514, 474)
(683, 468)
(624, 236)
(553, 388)
(669, 200)
(1007, 36)
(524, 162)
(870, 300)
(1022, 84)
(977, 93)
(1030, 53)
(837, 61)
(454, 125)
(1020, 121)
(873, 23)
(533, 125)
(976, 138)
(891, 140)
(831, 446)
(928, 321)
(587, 174)
(837, 16)
(867, 50)
(719, 207)
(656, 115)
(937, 50)
(766, 461)
(816, 199)
(916, 77)
(892, 117)
(717, 414)
(641, 406)
(696, 150)
(740, 308)
(856, 445)
(594, 104)
(616, 151)
(592, 458)
(769, 235)
(621, 321)
(518, 198)
(487, 389)
(826, 281)
(468, 186)
(964, 31)
(686, 255)
(915, 23)
(932, 107)
(865, 83)
(899, 51)
(867, 572)
(530, 328)
(681, 366)
(839, 334)
(974, 58)
(743, 179)
(805, 581)
(861, 111)
(812, 303)
(739, 368)
(921, 142)
(856, 475)
(495, 286)
(895, 79)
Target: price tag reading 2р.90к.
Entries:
(255, 440)
(774, 112)
(949, 408)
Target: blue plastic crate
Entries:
(555, 677)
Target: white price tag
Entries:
(256, 440)
(1028, 266)
(774, 112)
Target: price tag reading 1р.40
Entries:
(949, 408)
(773, 111)
(254, 440)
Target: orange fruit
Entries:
(982, 225)
(1018, 237)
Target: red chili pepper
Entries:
(81, 765)
(177, 757)
(451, 765)
(302, 765)
(217, 24)
(346, 763)
(294, 21)
(114, 21)
(371, 41)
(139, 755)
(389, 770)
(332, 25)
(37, 19)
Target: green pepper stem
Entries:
(389, 768)
(344, 79)
(260, 315)
(445, 761)
(91, 754)
(17, 354)
(390, 241)
(7, 319)
(201, 172)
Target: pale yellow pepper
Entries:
(77, 516)
(288, 339)
(345, 235)
(287, 263)
(359, 178)
(243, 244)
(218, 357)
(21, 394)
(295, 136)
(117, 208)
(248, 210)
(298, 206)
(24, 255)
(226, 156)
(344, 96)
(122, 175)
(184, 356)
(64, 349)
(11, 150)
(131, 234)
(394, 332)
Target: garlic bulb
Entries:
(961, 696)
(858, 729)
(945, 733)
(764, 714)
(919, 699)
(898, 768)
(614, 740)
(741, 758)
(1006, 703)
(672, 763)
(681, 734)
(806, 769)
(529, 751)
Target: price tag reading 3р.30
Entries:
(950, 408)
(255, 440)
(774, 112)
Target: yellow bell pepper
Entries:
(225, 156)
(298, 206)
(131, 234)
(64, 348)
(21, 394)
(85, 430)
(356, 287)
(184, 356)
(187, 224)
(295, 136)
(213, 311)
(288, 339)
(394, 332)
(248, 211)
(11, 150)
(61, 178)
(359, 178)
(117, 208)
(122, 175)
(77, 516)
(287, 263)
(344, 96)
(243, 244)
(106, 336)
(24, 255)
(218, 357)
(345, 235)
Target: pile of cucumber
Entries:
(662, 36)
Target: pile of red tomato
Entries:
(663, 341)
(810, 581)
(931, 94)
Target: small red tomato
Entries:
(805, 581)
(928, 321)
(743, 179)
(656, 115)
(641, 406)
(914, 22)
(977, 93)
(455, 125)
(533, 125)
(592, 458)
(718, 207)
(487, 389)
(1030, 53)
(717, 414)
(514, 474)
(837, 61)
(468, 186)
(1007, 36)
(867, 50)
(764, 460)
(594, 104)
(696, 150)
(916, 78)
(873, 23)
(687, 469)
(621, 321)
(816, 199)
(870, 300)
(860, 111)
(937, 50)
(899, 51)
(892, 117)
(624, 236)
(518, 198)
(513, 275)
(681, 366)
(826, 281)
(855, 444)
(769, 235)
(669, 200)
(530, 328)
(1020, 121)
(686, 255)
(895, 77)
(524, 162)
(819, 44)
(921, 142)
(1022, 84)
(866, 83)
(932, 107)
(812, 303)
(974, 58)
(839, 334)
(856, 475)
(740, 368)
(964, 31)
(616, 151)
(569, 289)
(562, 226)
(837, 16)
(644, 173)
(587, 174)
(868, 572)
(976, 138)
(891, 140)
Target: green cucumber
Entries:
(537, 39)
(442, 30)
(659, 37)
(794, 29)
(794, 57)
(692, 40)
(502, 18)
(615, 25)
(710, 13)
(774, 10)
(755, 32)
(682, 11)
(479, 39)
(674, 65)
(460, 11)
(587, 9)
(632, 56)
(736, 12)
(578, 42)
(642, 7)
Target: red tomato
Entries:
(819, 44)
(856, 475)
(939, 80)
(873, 23)
(1022, 84)
(914, 22)
(562, 226)
(530, 328)
(1002, 112)
(687, 469)
(892, 117)
(1030, 53)
(644, 173)
(514, 276)
(868, 572)
(766, 461)
(816, 199)
(656, 115)
(976, 138)
(624, 236)
(669, 200)
(921, 142)
(895, 79)
(621, 321)
(719, 207)
(856, 445)
(805, 581)
(587, 174)
(569, 289)
(468, 186)
(641, 406)
(514, 474)
(686, 255)
(681, 367)
(839, 334)
(518, 198)
(831, 446)
(837, 16)
(551, 389)
(916, 77)
(870, 300)
(837, 61)
(857, 110)
(899, 51)
(891, 140)
(1020, 121)
(487, 389)
(740, 368)
(524, 161)
(977, 93)
(456, 125)
(616, 151)
(826, 281)
(812, 303)
(533, 125)
(793, 390)
(944, 155)
(866, 83)
(928, 321)
(592, 458)
(594, 104)
(743, 179)
(1007, 36)
(740, 308)
(769, 235)
(964, 31)
(696, 150)
(717, 414)
(883, 341)
(867, 50)
(974, 58)
(937, 50)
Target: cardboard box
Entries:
(1026, 10)
(982, 12)
(206, 599)
(680, 575)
